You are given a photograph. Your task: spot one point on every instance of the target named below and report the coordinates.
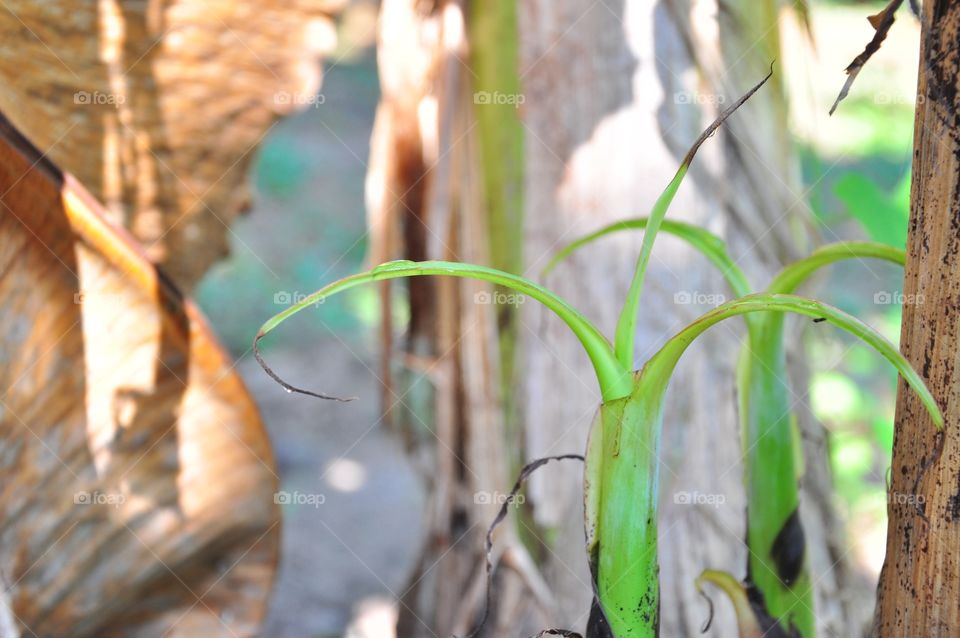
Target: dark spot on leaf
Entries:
(597, 625)
(789, 549)
(769, 627)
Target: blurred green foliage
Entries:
(861, 187)
(308, 223)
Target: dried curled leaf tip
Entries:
(287, 386)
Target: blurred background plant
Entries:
(867, 144)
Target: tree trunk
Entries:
(919, 592)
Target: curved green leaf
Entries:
(792, 276)
(614, 379)
(627, 322)
(708, 244)
(668, 356)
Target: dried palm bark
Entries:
(920, 583)
(158, 106)
(426, 199)
(137, 477)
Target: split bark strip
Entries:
(881, 22)
(920, 582)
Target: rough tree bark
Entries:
(919, 592)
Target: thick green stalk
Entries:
(614, 379)
(777, 563)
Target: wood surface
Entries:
(919, 592)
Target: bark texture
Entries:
(919, 592)
(137, 478)
(157, 106)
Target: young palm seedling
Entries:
(777, 572)
(621, 462)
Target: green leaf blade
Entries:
(613, 378)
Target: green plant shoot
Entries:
(777, 560)
(621, 463)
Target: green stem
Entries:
(780, 570)
(627, 323)
(623, 464)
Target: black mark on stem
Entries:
(789, 548)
